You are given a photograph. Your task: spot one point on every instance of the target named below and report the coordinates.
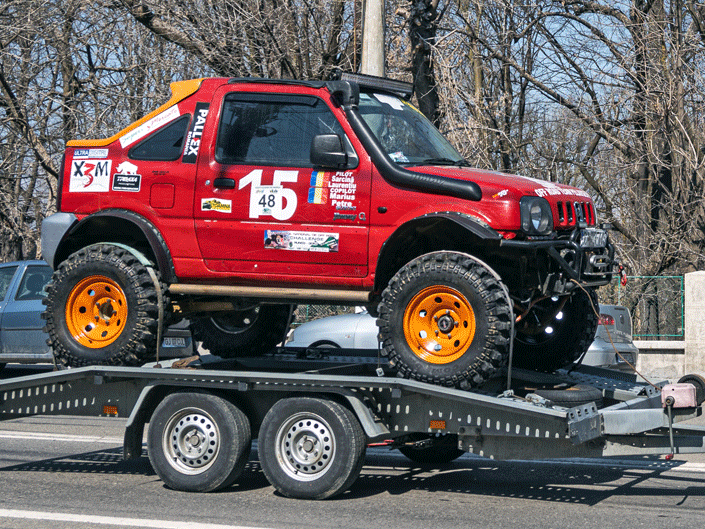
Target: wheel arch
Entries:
(431, 233)
(122, 227)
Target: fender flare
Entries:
(154, 239)
(476, 227)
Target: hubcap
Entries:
(191, 441)
(96, 312)
(439, 324)
(305, 447)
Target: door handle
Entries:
(227, 183)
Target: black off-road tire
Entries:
(198, 442)
(440, 453)
(437, 292)
(246, 333)
(571, 336)
(311, 448)
(78, 293)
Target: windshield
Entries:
(406, 135)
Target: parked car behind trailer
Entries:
(612, 348)
(22, 336)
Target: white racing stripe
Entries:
(112, 520)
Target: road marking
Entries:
(112, 520)
(5, 434)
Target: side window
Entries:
(33, 282)
(272, 129)
(6, 275)
(165, 144)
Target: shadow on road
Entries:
(567, 481)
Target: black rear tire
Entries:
(549, 338)
(444, 319)
(198, 442)
(311, 448)
(244, 333)
(101, 308)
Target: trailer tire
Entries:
(102, 308)
(198, 442)
(441, 453)
(444, 319)
(571, 333)
(243, 333)
(311, 448)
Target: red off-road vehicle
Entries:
(241, 197)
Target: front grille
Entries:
(571, 213)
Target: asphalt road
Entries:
(61, 472)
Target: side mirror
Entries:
(327, 151)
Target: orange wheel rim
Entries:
(439, 324)
(96, 312)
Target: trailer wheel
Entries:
(441, 452)
(243, 333)
(444, 319)
(311, 448)
(102, 308)
(554, 335)
(198, 442)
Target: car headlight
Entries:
(536, 216)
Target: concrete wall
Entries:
(673, 359)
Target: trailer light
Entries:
(437, 425)
(110, 410)
(605, 319)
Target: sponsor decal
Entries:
(501, 194)
(149, 126)
(90, 176)
(216, 204)
(126, 182)
(126, 178)
(344, 216)
(302, 241)
(193, 138)
(551, 189)
(90, 153)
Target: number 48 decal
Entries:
(275, 200)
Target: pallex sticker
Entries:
(151, 125)
(216, 204)
(302, 241)
(90, 176)
(126, 178)
(193, 138)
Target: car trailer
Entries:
(314, 413)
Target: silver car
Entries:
(359, 331)
(22, 336)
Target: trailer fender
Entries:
(374, 429)
(134, 429)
